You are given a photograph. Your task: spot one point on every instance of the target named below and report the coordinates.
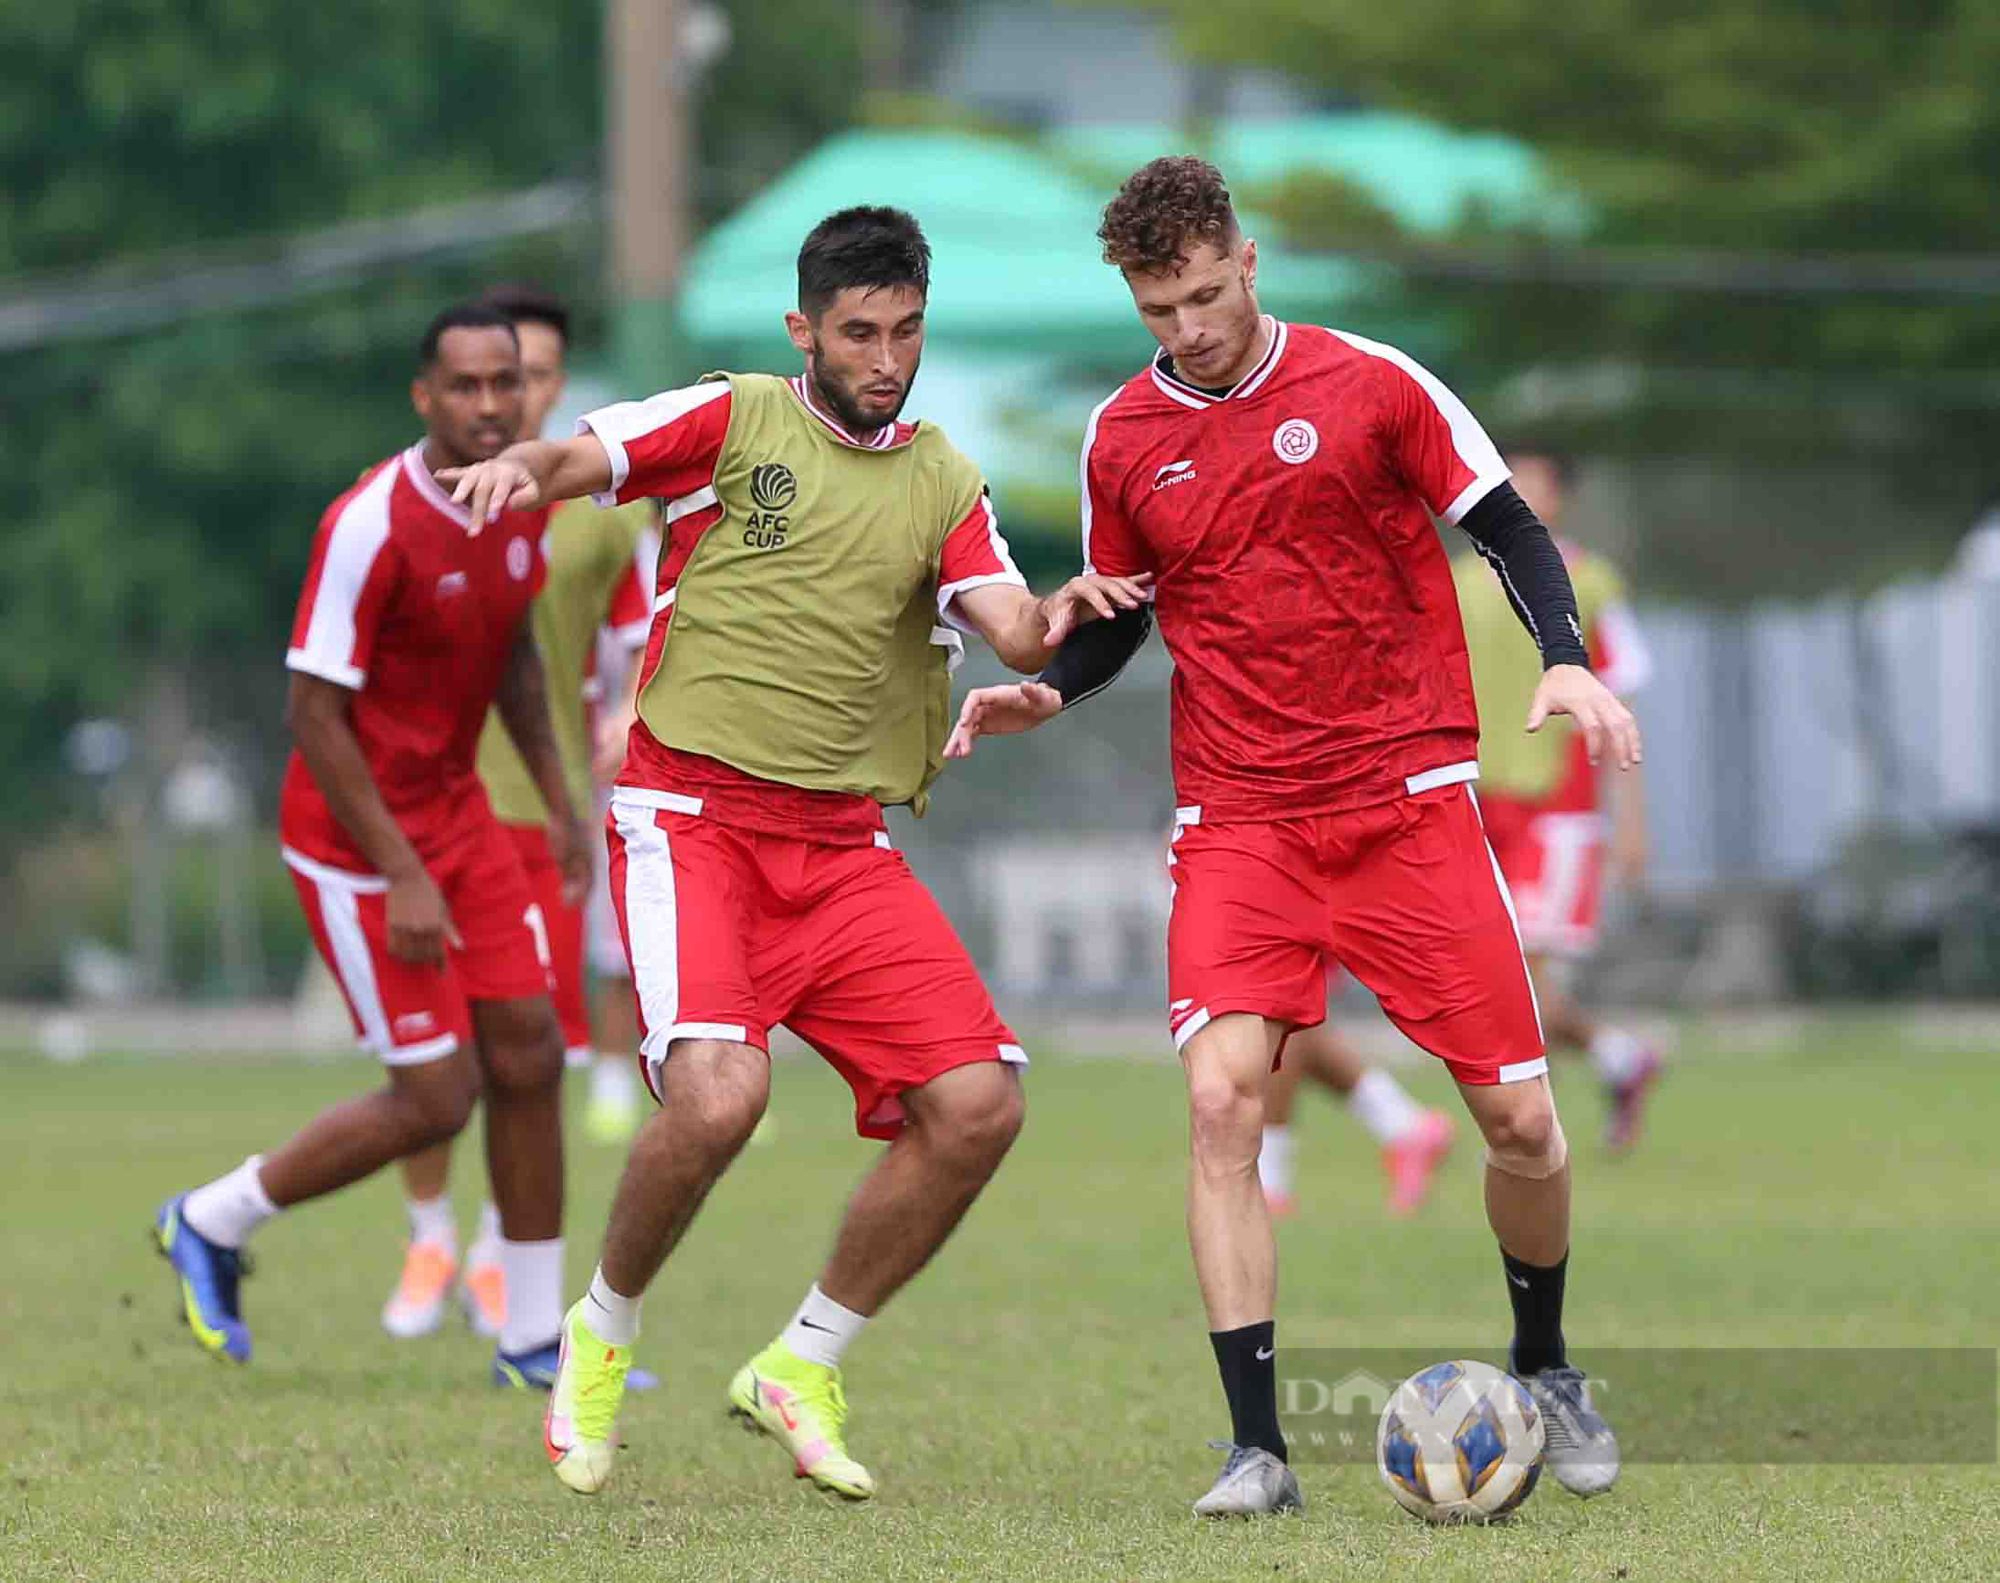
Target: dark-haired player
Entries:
(410, 627)
(1279, 481)
(599, 580)
(821, 558)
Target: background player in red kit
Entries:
(409, 628)
(1279, 482)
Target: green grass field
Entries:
(1036, 1406)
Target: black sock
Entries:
(1536, 1292)
(1247, 1361)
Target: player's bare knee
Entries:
(1225, 1120)
(721, 1088)
(520, 1046)
(980, 1128)
(434, 1103)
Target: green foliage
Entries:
(163, 489)
(1864, 127)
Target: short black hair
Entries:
(523, 302)
(459, 316)
(865, 246)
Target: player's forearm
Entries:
(333, 758)
(564, 469)
(523, 702)
(1021, 641)
(1513, 541)
(1092, 657)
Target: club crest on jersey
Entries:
(1296, 441)
(1173, 473)
(520, 559)
(772, 489)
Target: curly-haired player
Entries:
(1279, 483)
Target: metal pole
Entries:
(646, 143)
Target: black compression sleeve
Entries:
(1092, 656)
(1514, 543)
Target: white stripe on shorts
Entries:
(1507, 898)
(340, 913)
(652, 920)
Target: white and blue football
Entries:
(1460, 1442)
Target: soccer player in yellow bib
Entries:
(1559, 827)
(822, 561)
(600, 567)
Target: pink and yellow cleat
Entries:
(580, 1428)
(801, 1406)
(1411, 1162)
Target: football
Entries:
(1460, 1442)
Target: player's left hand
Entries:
(569, 845)
(1610, 734)
(607, 757)
(1091, 597)
(1001, 711)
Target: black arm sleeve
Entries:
(1514, 543)
(1092, 656)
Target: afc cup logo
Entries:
(520, 559)
(772, 486)
(1296, 441)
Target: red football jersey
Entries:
(1319, 660)
(416, 616)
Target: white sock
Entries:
(534, 1274)
(229, 1208)
(611, 1316)
(613, 1081)
(821, 1330)
(1274, 1160)
(1616, 1054)
(1381, 1105)
(431, 1221)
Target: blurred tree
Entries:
(1802, 127)
(164, 487)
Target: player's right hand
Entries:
(1001, 711)
(419, 926)
(488, 488)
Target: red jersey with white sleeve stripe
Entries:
(416, 616)
(669, 447)
(1319, 661)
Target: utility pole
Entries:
(646, 149)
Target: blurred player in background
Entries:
(600, 567)
(1545, 803)
(412, 626)
(821, 561)
(1280, 481)
(1414, 1139)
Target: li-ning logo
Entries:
(1296, 441)
(772, 489)
(1173, 473)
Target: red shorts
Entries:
(564, 927)
(732, 931)
(407, 1012)
(1554, 863)
(1405, 895)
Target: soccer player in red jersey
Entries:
(410, 626)
(1280, 483)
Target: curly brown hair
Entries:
(1165, 210)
